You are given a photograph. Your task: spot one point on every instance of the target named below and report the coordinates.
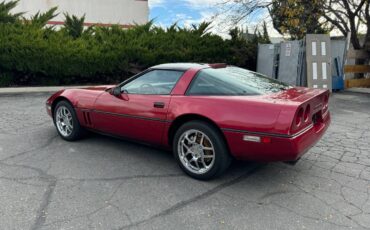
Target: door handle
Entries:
(158, 105)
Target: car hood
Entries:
(83, 95)
(99, 87)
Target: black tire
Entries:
(222, 158)
(77, 131)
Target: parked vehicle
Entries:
(207, 113)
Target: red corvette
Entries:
(207, 114)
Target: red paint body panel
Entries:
(232, 112)
(135, 118)
(184, 82)
(273, 116)
(280, 148)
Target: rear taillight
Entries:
(299, 117)
(326, 103)
(307, 113)
(326, 99)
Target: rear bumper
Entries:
(289, 148)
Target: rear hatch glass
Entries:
(233, 81)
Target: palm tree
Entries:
(41, 19)
(201, 29)
(5, 15)
(74, 25)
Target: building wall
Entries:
(123, 12)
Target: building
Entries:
(102, 12)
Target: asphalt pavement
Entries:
(105, 183)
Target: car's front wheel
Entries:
(201, 150)
(66, 122)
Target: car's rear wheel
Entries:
(66, 122)
(201, 150)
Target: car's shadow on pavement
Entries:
(118, 149)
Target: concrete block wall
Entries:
(123, 12)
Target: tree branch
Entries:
(336, 24)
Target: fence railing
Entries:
(356, 69)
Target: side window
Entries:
(206, 84)
(155, 82)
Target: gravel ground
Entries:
(105, 183)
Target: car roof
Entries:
(179, 66)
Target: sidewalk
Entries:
(23, 90)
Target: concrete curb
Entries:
(25, 90)
(358, 90)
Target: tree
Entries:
(41, 19)
(5, 15)
(242, 52)
(74, 25)
(344, 15)
(297, 17)
(201, 29)
(347, 16)
(265, 38)
(238, 11)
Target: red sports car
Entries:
(207, 113)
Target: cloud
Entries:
(182, 17)
(188, 12)
(208, 16)
(156, 3)
(203, 3)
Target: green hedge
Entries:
(32, 55)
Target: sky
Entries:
(187, 12)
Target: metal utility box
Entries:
(338, 49)
(268, 55)
(289, 68)
(318, 61)
(310, 62)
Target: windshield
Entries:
(233, 81)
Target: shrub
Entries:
(31, 54)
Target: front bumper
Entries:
(279, 148)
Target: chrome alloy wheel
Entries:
(196, 151)
(64, 121)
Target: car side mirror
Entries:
(116, 91)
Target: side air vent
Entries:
(87, 119)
